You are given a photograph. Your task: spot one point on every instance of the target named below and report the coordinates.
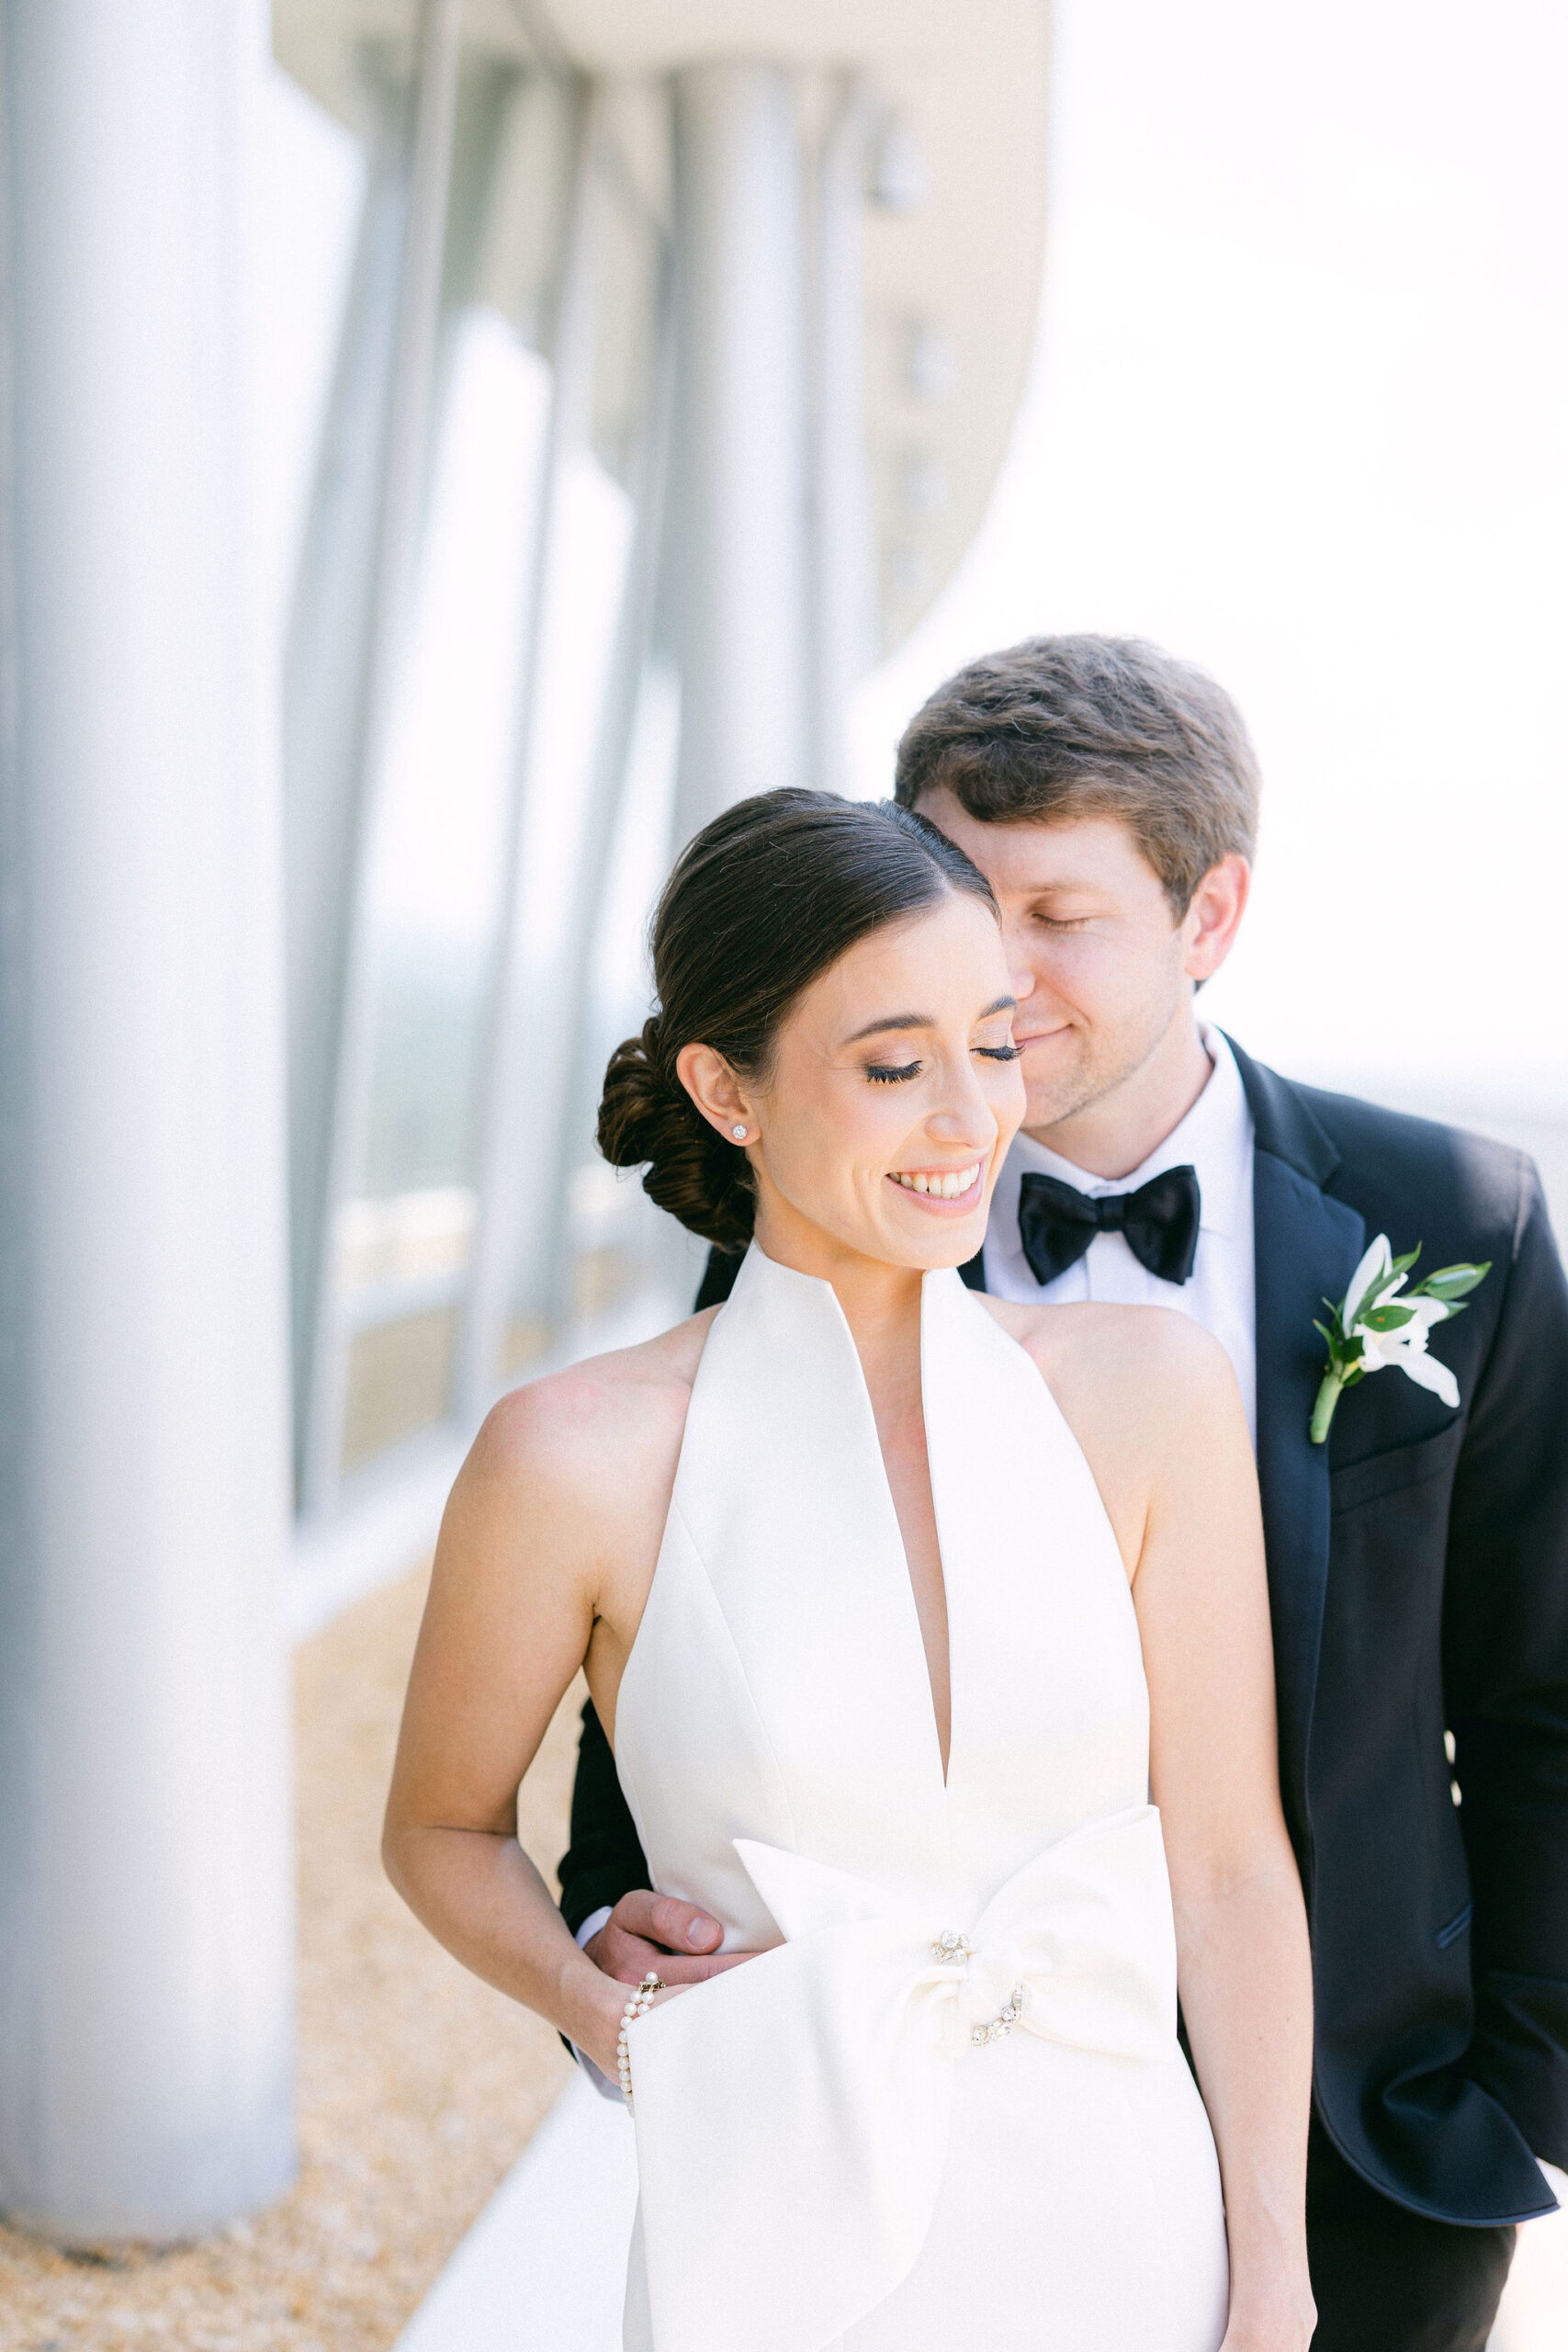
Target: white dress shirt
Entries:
(1215, 1137)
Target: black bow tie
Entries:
(1056, 1223)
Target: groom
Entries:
(1417, 1562)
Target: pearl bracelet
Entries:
(638, 2005)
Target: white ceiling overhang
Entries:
(952, 281)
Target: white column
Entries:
(843, 553)
(145, 1868)
(737, 512)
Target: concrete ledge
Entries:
(386, 1530)
(543, 2269)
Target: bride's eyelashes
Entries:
(887, 1074)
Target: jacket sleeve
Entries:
(1505, 1664)
(604, 1859)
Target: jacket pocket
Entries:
(1390, 1473)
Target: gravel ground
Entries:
(418, 2084)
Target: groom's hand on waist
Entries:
(659, 1932)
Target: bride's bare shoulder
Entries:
(1142, 1360)
(603, 1434)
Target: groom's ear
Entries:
(1212, 921)
(715, 1089)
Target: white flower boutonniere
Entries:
(1379, 1322)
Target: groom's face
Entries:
(1102, 967)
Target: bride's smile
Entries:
(885, 1108)
(945, 1187)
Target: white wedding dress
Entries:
(838, 2144)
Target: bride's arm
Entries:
(517, 1584)
(1244, 1964)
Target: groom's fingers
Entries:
(664, 1919)
(657, 1931)
(629, 1959)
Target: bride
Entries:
(899, 1605)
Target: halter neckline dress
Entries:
(948, 2102)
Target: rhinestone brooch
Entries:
(952, 1948)
(999, 2028)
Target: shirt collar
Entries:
(1215, 1137)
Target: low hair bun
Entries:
(648, 1120)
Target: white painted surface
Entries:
(146, 1883)
(738, 487)
(543, 2269)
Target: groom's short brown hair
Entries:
(1060, 728)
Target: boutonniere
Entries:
(1379, 1322)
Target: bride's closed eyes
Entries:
(884, 1074)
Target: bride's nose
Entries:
(964, 1116)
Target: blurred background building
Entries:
(672, 357)
(448, 449)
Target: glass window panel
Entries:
(399, 1378)
(435, 879)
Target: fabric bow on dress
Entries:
(792, 2115)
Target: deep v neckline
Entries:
(764, 1272)
(944, 1762)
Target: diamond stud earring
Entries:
(738, 1133)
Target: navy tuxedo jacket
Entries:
(1418, 1577)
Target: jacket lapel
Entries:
(1305, 1247)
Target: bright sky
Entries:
(1298, 413)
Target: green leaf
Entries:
(1454, 1282)
(1389, 1318)
(1402, 1265)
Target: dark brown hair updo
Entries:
(760, 904)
